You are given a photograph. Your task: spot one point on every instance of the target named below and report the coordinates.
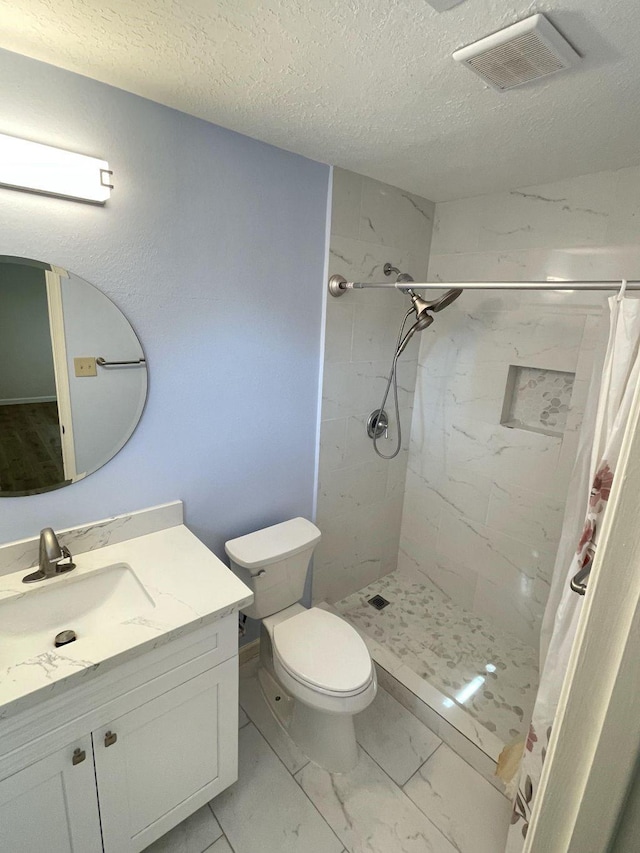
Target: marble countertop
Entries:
(189, 587)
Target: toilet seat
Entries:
(321, 651)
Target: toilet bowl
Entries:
(326, 670)
(315, 670)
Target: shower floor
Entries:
(491, 674)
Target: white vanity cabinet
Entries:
(113, 765)
(160, 762)
(52, 805)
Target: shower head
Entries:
(423, 308)
(445, 300)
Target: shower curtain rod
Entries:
(339, 285)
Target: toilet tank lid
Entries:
(273, 543)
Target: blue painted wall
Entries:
(213, 245)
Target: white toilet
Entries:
(315, 669)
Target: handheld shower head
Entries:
(423, 308)
(421, 323)
(424, 318)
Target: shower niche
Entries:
(537, 400)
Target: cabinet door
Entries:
(52, 806)
(160, 762)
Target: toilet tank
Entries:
(274, 562)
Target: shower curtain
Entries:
(606, 415)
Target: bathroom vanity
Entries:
(108, 742)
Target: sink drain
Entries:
(64, 637)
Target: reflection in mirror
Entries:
(65, 407)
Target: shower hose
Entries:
(393, 380)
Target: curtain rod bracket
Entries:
(337, 285)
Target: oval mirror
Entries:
(73, 378)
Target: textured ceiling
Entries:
(365, 84)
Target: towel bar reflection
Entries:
(103, 363)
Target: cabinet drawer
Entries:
(184, 663)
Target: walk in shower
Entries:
(458, 532)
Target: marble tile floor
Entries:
(408, 794)
(493, 675)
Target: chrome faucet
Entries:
(51, 558)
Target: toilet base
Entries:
(279, 702)
(329, 740)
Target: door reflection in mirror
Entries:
(59, 421)
(30, 433)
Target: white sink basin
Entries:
(87, 604)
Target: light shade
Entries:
(42, 169)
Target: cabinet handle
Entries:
(79, 756)
(110, 738)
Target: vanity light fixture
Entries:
(43, 169)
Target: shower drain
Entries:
(378, 602)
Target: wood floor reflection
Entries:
(30, 448)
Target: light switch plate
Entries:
(85, 366)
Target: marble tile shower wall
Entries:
(484, 503)
(360, 496)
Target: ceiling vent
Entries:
(525, 51)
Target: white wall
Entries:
(26, 360)
(360, 495)
(484, 503)
(213, 245)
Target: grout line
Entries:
(211, 846)
(293, 777)
(223, 835)
(377, 763)
(214, 814)
(451, 841)
(404, 793)
(464, 760)
(233, 849)
(297, 781)
(426, 761)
